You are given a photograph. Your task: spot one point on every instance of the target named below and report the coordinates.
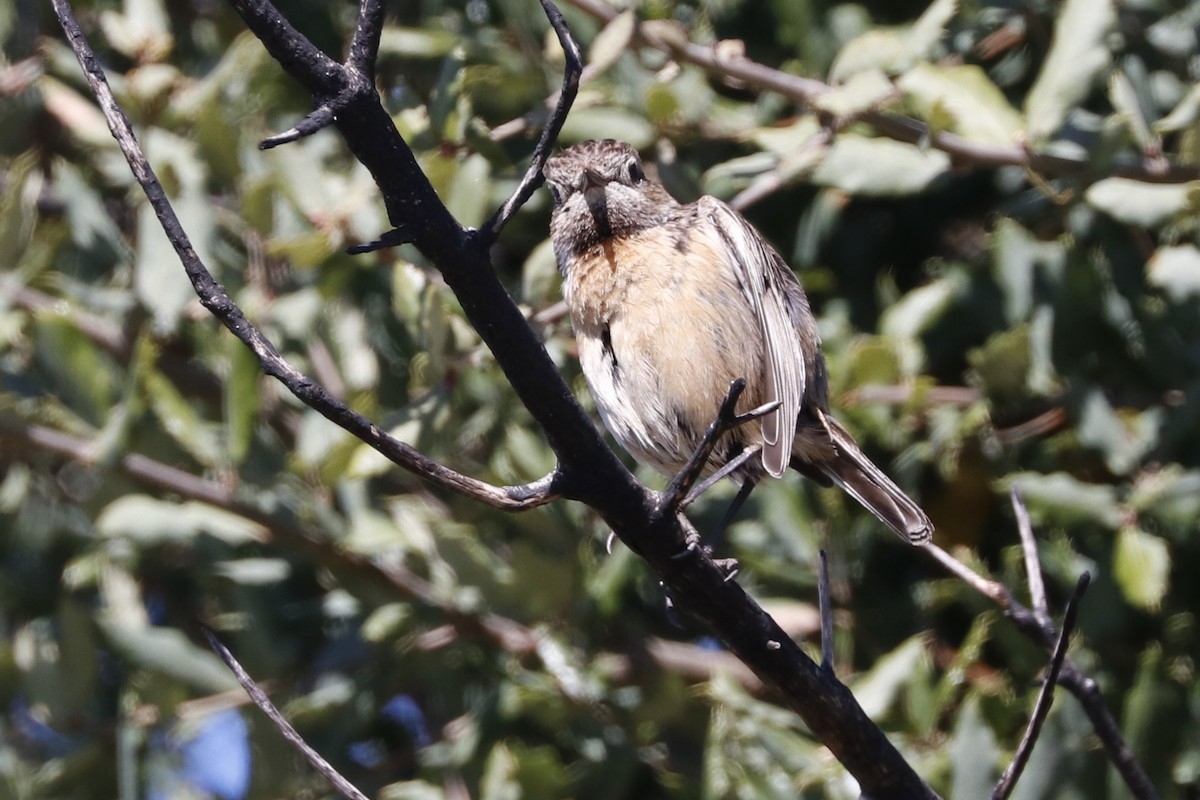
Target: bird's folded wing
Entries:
(756, 267)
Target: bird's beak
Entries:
(590, 179)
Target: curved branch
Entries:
(566, 98)
(214, 297)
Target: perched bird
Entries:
(670, 303)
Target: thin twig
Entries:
(1085, 690)
(993, 590)
(320, 117)
(566, 98)
(1033, 566)
(214, 297)
(339, 783)
(726, 420)
(1041, 708)
(825, 605)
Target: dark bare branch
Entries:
(679, 492)
(566, 97)
(1085, 690)
(343, 786)
(825, 604)
(214, 297)
(1041, 709)
(364, 46)
(320, 117)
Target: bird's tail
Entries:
(867, 484)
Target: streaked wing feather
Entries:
(757, 266)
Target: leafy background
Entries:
(986, 328)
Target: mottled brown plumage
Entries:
(670, 303)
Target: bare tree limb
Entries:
(214, 297)
(343, 786)
(1041, 709)
(1084, 688)
(566, 98)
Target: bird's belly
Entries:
(660, 354)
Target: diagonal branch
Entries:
(345, 787)
(1033, 566)
(214, 297)
(1041, 709)
(1084, 688)
(566, 98)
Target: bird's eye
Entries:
(555, 193)
(635, 171)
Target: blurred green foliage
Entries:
(985, 328)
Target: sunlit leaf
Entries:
(611, 42)
(861, 92)
(169, 652)
(149, 521)
(878, 167)
(1078, 56)
(964, 96)
(1062, 498)
(880, 688)
(1142, 566)
(1148, 205)
(1176, 270)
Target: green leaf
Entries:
(1185, 114)
(149, 521)
(1078, 55)
(974, 753)
(1176, 270)
(611, 42)
(1129, 108)
(1063, 499)
(878, 167)
(1142, 567)
(894, 51)
(180, 418)
(929, 29)
(1124, 442)
(168, 651)
(1148, 205)
(470, 191)
(243, 398)
(254, 571)
(396, 41)
(879, 689)
(607, 122)
(873, 51)
(862, 92)
(1171, 495)
(970, 104)
(412, 790)
(84, 375)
